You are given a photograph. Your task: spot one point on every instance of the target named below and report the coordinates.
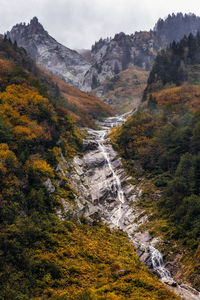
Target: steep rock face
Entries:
(115, 55)
(46, 51)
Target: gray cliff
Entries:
(46, 51)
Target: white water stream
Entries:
(117, 213)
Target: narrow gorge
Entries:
(111, 197)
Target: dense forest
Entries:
(163, 138)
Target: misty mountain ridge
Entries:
(108, 57)
(184, 24)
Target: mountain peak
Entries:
(34, 21)
(119, 36)
(43, 48)
(34, 27)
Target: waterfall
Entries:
(158, 264)
(120, 192)
(117, 213)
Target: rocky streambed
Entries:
(105, 194)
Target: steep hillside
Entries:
(175, 66)
(124, 91)
(46, 253)
(161, 143)
(45, 50)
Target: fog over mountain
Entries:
(79, 23)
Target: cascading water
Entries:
(119, 213)
(158, 264)
(115, 217)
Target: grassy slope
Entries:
(188, 94)
(65, 260)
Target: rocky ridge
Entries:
(108, 57)
(46, 51)
(115, 55)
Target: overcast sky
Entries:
(79, 23)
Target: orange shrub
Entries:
(40, 168)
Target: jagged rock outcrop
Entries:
(115, 55)
(46, 51)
